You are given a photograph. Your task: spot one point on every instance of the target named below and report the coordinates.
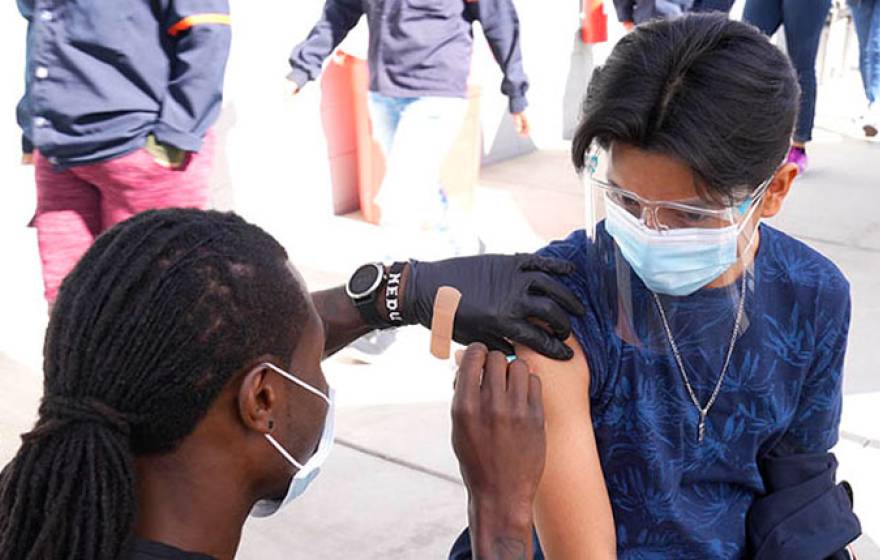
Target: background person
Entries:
(866, 17)
(802, 21)
(160, 432)
(117, 107)
(419, 61)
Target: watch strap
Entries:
(367, 308)
(392, 293)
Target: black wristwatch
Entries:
(363, 289)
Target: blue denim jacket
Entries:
(101, 75)
(419, 47)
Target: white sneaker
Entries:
(369, 348)
(871, 120)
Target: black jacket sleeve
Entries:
(337, 19)
(805, 514)
(500, 24)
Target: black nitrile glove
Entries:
(502, 298)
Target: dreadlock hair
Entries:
(710, 92)
(155, 319)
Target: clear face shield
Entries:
(674, 271)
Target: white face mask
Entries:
(308, 471)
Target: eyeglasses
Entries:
(668, 214)
(676, 215)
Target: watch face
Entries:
(365, 280)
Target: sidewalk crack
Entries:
(861, 440)
(399, 462)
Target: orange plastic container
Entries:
(356, 162)
(343, 108)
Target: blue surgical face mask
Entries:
(308, 471)
(676, 262)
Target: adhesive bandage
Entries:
(445, 305)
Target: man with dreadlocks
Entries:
(183, 391)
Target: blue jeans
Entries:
(415, 134)
(803, 20)
(866, 16)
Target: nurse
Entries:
(183, 392)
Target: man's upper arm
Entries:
(572, 510)
(337, 19)
(200, 35)
(183, 15)
(500, 24)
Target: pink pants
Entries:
(76, 205)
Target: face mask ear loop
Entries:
(757, 196)
(747, 219)
(298, 382)
(284, 452)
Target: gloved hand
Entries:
(505, 298)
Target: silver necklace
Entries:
(704, 410)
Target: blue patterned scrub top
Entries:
(673, 497)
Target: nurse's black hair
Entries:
(161, 312)
(711, 92)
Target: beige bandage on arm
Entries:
(445, 305)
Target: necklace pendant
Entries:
(701, 430)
